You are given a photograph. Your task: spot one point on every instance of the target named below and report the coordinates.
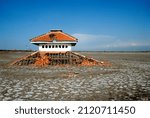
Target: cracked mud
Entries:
(127, 79)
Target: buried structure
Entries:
(55, 49)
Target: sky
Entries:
(99, 25)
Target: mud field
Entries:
(127, 79)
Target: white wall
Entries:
(54, 47)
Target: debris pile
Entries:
(92, 62)
(89, 62)
(57, 59)
(42, 61)
(26, 60)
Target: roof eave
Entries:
(42, 42)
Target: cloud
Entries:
(92, 37)
(92, 42)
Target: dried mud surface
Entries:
(127, 79)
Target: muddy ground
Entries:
(127, 79)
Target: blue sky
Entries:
(101, 25)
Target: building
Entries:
(55, 49)
(55, 41)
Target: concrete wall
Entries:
(55, 47)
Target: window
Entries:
(59, 46)
(66, 46)
(63, 46)
(52, 46)
(49, 46)
(56, 46)
(46, 46)
(42, 46)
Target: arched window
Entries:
(56, 46)
(42, 46)
(46, 46)
(59, 46)
(49, 46)
(66, 46)
(62, 46)
(52, 46)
